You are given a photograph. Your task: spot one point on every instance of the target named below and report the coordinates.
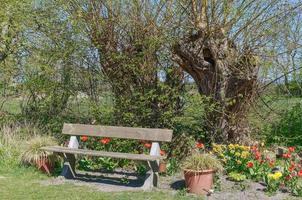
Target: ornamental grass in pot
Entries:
(199, 170)
(34, 155)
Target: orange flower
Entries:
(105, 140)
(271, 163)
(250, 164)
(147, 145)
(300, 173)
(291, 149)
(254, 148)
(84, 138)
(199, 145)
(291, 168)
(162, 152)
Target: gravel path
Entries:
(112, 183)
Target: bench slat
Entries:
(151, 134)
(130, 156)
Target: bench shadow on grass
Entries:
(178, 185)
(115, 178)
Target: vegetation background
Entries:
(151, 64)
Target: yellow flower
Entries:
(232, 151)
(231, 146)
(237, 146)
(275, 176)
(246, 148)
(217, 148)
(221, 155)
(239, 162)
(245, 154)
(237, 154)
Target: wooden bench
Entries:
(148, 134)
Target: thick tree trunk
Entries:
(228, 77)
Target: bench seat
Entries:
(153, 136)
(130, 156)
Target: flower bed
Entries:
(261, 165)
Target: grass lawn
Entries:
(23, 183)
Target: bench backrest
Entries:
(151, 134)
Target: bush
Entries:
(286, 131)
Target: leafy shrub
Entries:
(286, 131)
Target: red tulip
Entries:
(286, 155)
(84, 138)
(250, 165)
(147, 145)
(105, 140)
(300, 173)
(199, 145)
(291, 149)
(257, 155)
(291, 168)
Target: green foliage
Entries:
(191, 121)
(12, 137)
(235, 176)
(286, 131)
(293, 88)
(141, 169)
(172, 166)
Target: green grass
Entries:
(24, 183)
(11, 105)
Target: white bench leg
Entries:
(69, 160)
(152, 176)
(152, 179)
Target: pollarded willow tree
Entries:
(130, 38)
(222, 45)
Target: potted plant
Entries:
(199, 171)
(34, 155)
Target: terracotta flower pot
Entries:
(199, 182)
(44, 166)
(162, 167)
